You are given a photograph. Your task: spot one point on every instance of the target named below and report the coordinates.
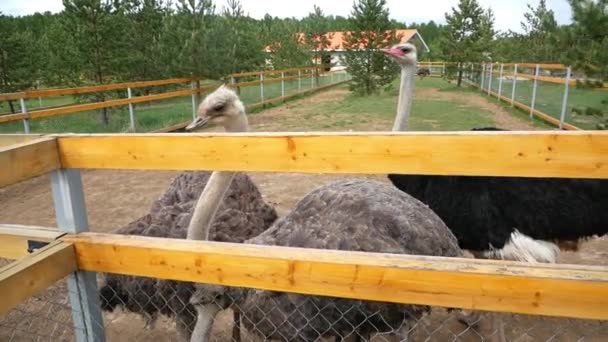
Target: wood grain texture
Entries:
(578, 154)
(14, 238)
(540, 289)
(27, 160)
(36, 272)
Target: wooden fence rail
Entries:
(30, 94)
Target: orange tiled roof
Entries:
(337, 38)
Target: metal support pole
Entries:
(299, 80)
(283, 84)
(261, 88)
(331, 77)
(490, 79)
(443, 70)
(534, 91)
(39, 98)
(131, 113)
(514, 86)
(71, 214)
(562, 117)
(483, 76)
(193, 86)
(502, 68)
(26, 122)
(312, 78)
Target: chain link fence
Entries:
(149, 309)
(559, 95)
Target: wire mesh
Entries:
(145, 309)
(44, 317)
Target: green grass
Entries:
(549, 99)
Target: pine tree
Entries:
(369, 68)
(468, 34)
(540, 28)
(317, 38)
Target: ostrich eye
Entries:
(406, 49)
(219, 107)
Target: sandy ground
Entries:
(114, 198)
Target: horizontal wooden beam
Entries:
(14, 239)
(526, 154)
(11, 139)
(554, 290)
(27, 160)
(269, 72)
(37, 114)
(36, 272)
(90, 89)
(549, 79)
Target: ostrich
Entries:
(495, 217)
(513, 218)
(241, 215)
(354, 215)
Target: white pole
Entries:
(26, 122)
(502, 68)
(39, 98)
(565, 99)
(534, 91)
(131, 114)
(514, 86)
(490, 79)
(312, 78)
(193, 86)
(483, 75)
(299, 80)
(283, 84)
(261, 87)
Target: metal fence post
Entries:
(299, 80)
(282, 84)
(490, 79)
(443, 70)
(312, 78)
(193, 86)
(562, 117)
(331, 77)
(534, 91)
(70, 211)
(261, 87)
(39, 98)
(514, 86)
(26, 121)
(483, 76)
(131, 114)
(502, 68)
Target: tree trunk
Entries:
(10, 104)
(459, 76)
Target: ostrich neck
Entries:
(214, 192)
(406, 93)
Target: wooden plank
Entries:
(11, 96)
(13, 117)
(541, 289)
(268, 72)
(14, 238)
(510, 153)
(11, 139)
(27, 160)
(31, 275)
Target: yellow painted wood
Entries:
(555, 290)
(13, 239)
(31, 275)
(509, 153)
(26, 160)
(11, 139)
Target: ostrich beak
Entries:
(197, 123)
(393, 53)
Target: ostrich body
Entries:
(354, 215)
(240, 214)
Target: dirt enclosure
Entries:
(114, 198)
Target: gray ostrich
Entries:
(241, 215)
(353, 215)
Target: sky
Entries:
(508, 13)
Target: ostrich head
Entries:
(222, 106)
(404, 54)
